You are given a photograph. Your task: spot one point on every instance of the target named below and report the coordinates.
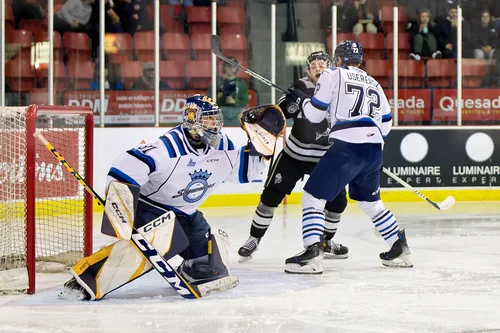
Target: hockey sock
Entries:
(331, 224)
(261, 220)
(387, 226)
(313, 219)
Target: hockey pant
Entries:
(120, 263)
(284, 175)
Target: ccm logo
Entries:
(118, 212)
(212, 160)
(156, 223)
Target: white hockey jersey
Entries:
(359, 109)
(175, 176)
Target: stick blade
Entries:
(447, 203)
(215, 43)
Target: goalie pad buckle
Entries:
(263, 124)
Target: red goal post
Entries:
(45, 214)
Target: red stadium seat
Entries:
(169, 13)
(80, 74)
(24, 39)
(404, 48)
(201, 47)
(43, 36)
(380, 70)
(473, 72)
(235, 45)
(173, 73)
(388, 19)
(373, 45)
(411, 73)
(199, 19)
(130, 71)
(60, 78)
(198, 74)
(176, 46)
(441, 72)
(77, 45)
(121, 48)
(231, 20)
(236, 3)
(19, 75)
(144, 44)
(9, 16)
(33, 25)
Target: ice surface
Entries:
(454, 286)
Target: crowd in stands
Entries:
(185, 27)
(427, 35)
(427, 30)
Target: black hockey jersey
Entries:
(307, 141)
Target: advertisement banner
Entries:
(448, 157)
(137, 106)
(481, 105)
(414, 105)
(51, 178)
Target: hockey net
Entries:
(45, 214)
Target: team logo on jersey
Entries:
(191, 162)
(278, 178)
(196, 188)
(318, 86)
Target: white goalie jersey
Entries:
(174, 176)
(359, 109)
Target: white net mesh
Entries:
(60, 202)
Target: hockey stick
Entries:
(446, 204)
(215, 46)
(180, 285)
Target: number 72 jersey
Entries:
(359, 110)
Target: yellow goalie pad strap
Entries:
(120, 262)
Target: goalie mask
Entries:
(202, 117)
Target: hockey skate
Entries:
(333, 250)
(399, 254)
(247, 250)
(308, 261)
(73, 291)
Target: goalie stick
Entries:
(177, 282)
(446, 204)
(215, 46)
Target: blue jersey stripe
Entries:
(243, 171)
(122, 177)
(143, 158)
(221, 144)
(319, 104)
(178, 142)
(386, 117)
(231, 145)
(182, 134)
(170, 147)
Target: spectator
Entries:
(74, 16)
(423, 37)
(111, 82)
(447, 40)
(133, 15)
(185, 3)
(362, 16)
(484, 37)
(326, 17)
(147, 80)
(232, 91)
(28, 10)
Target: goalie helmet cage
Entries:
(45, 214)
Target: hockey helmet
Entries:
(319, 55)
(350, 51)
(203, 118)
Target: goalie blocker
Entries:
(121, 262)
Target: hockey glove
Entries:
(294, 100)
(263, 124)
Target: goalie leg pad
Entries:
(120, 263)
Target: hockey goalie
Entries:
(159, 187)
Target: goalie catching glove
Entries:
(263, 124)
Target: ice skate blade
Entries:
(330, 256)
(245, 259)
(315, 269)
(402, 261)
(217, 286)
